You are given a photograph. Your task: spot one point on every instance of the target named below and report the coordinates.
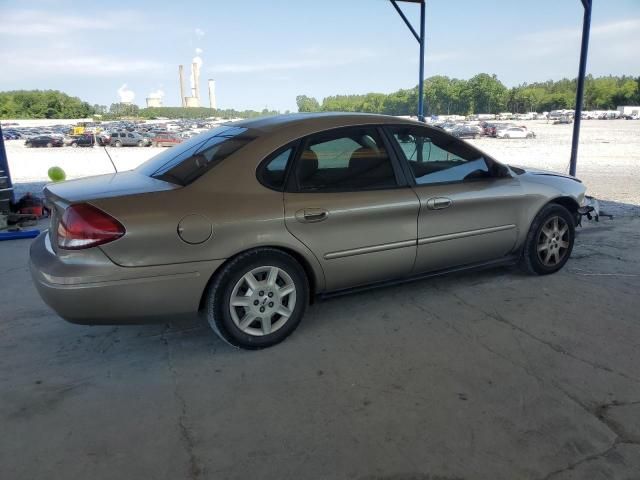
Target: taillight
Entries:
(84, 226)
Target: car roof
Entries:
(319, 121)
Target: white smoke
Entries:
(156, 94)
(126, 95)
(198, 61)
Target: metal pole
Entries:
(586, 26)
(4, 165)
(421, 80)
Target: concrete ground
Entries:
(491, 375)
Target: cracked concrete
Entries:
(492, 375)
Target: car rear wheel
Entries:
(550, 241)
(118, 144)
(49, 144)
(74, 145)
(140, 143)
(257, 299)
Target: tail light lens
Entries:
(85, 226)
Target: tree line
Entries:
(42, 104)
(484, 93)
(26, 104)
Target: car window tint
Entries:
(346, 160)
(435, 157)
(273, 172)
(189, 160)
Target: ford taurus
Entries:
(247, 223)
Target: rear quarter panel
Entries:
(242, 213)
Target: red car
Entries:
(165, 140)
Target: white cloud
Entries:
(199, 51)
(325, 59)
(199, 32)
(67, 63)
(37, 23)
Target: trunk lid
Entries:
(58, 196)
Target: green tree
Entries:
(307, 104)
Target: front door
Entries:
(347, 203)
(468, 204)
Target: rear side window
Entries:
(188, 160)
(345, 160)
(273, 172)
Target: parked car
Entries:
(166, 140)
(128, 139)
(515, 132)
(467, 131)
(82, 141)
(564, 120)
(43, 141)
(248, 222)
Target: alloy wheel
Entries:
(553, 241)
(262, 301)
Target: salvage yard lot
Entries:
(490, 375)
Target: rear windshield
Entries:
(188, 160)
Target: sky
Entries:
(263, 54)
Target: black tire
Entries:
(74, 145)
(531, 261)
(140, 143)
(49, 145)
(118, 144)
(219, 291)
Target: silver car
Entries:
(251, 221)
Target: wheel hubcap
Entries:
(553, 241)
(262, 300)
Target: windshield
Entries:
(188, 160)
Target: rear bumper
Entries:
(88, 288)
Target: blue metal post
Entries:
(586, 27)
(4, 163)
(421, 80)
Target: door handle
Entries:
(311, 215)
(438, 203)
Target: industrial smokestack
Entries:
(196, 81)
(181, 75)
(212, 94)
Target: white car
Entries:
(515, 132)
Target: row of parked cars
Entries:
(116, 134)
(113, 139)
(486, 129)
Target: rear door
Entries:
(468, 205)
(347, 200)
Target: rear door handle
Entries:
(438, 203)
(311, 215)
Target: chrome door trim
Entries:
(468, 233)
(371, 249)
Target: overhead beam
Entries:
(421, 40)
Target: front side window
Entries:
(345, 160)
(435, 157)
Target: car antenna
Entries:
(110, 159)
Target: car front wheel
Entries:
(550, 241)
(257, 299)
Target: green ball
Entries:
(56, 174)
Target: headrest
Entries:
(308, 165)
